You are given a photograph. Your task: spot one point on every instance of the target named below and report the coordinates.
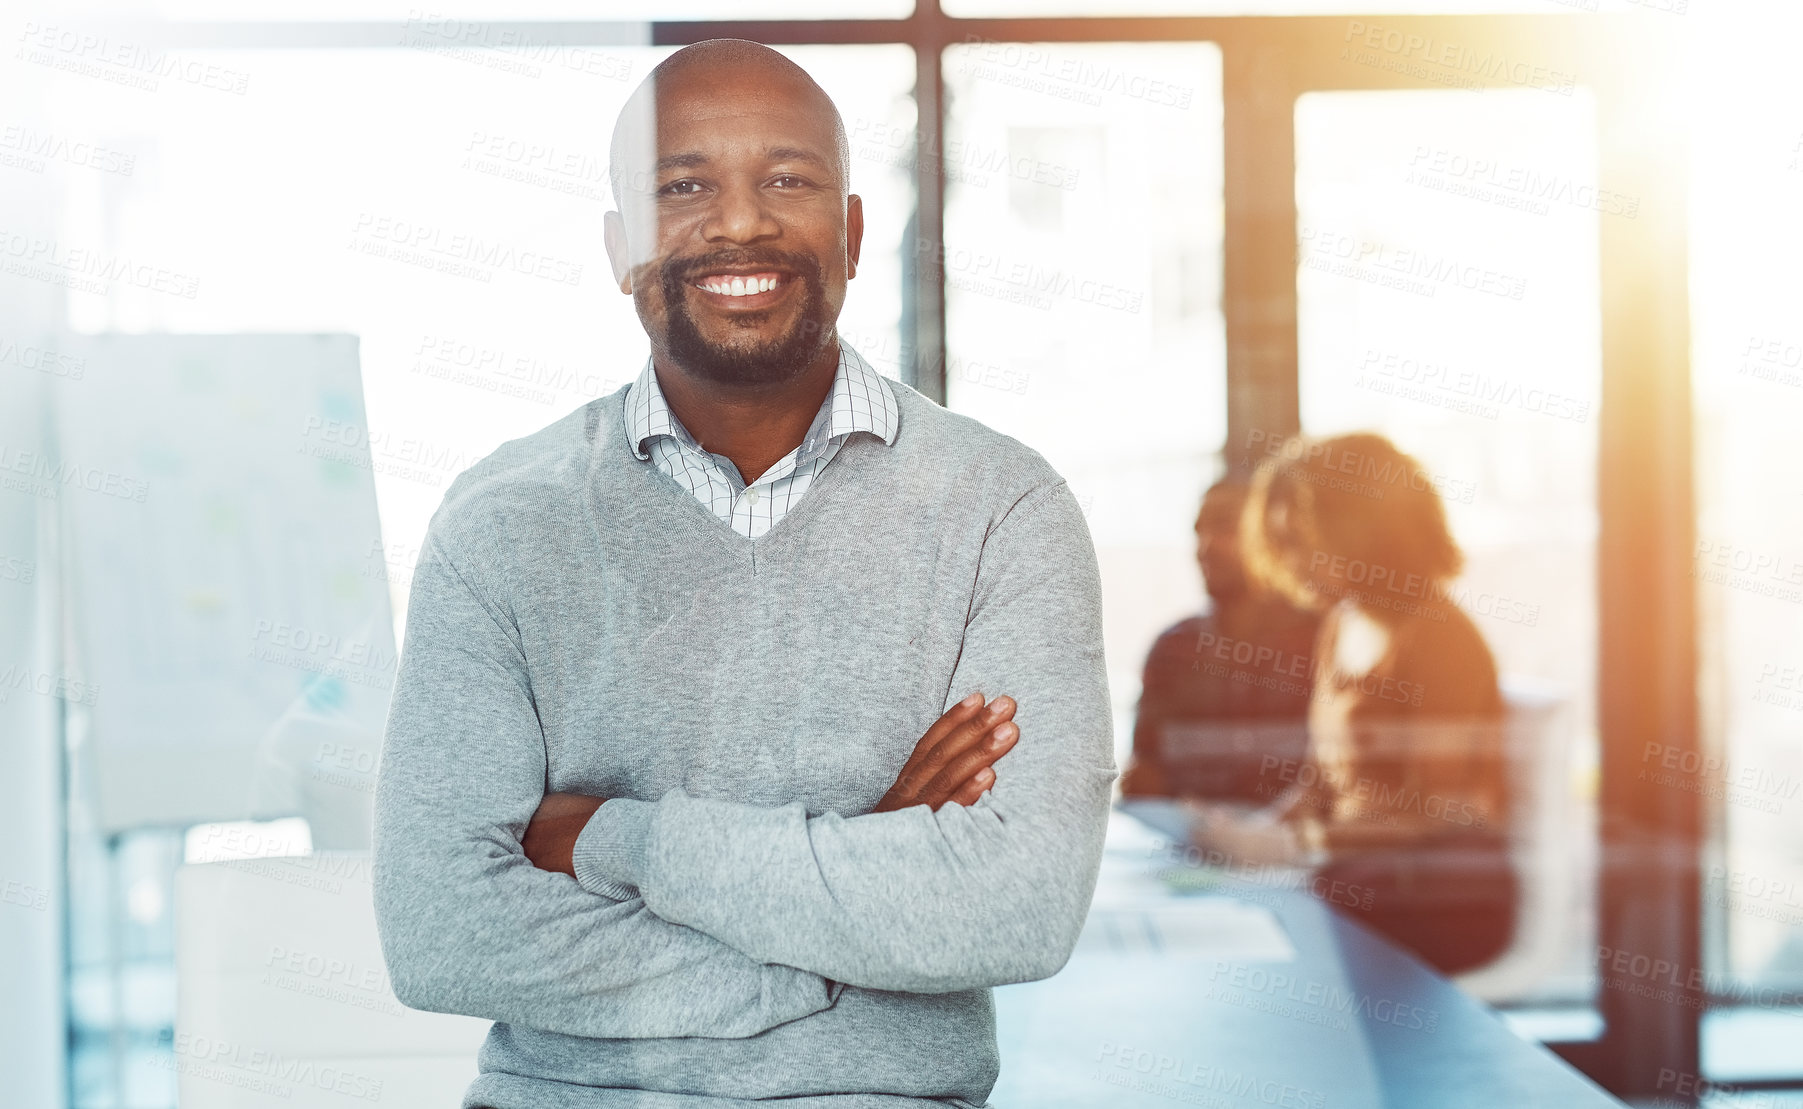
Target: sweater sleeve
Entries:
(468, 924)
(918, 900)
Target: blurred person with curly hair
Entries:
(1403, 792)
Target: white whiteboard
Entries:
(229, 612)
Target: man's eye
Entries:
(790, 181)
(685, 187)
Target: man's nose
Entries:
(740, 215)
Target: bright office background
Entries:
(271, 198)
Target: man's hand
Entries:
(951, 762)
(550, 839)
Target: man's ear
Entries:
(854, 233)
(619, 255)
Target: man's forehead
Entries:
(743, 125)
(728, 108)
(727, 93)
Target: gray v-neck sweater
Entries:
(744, 927)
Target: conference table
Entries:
(1223, 990)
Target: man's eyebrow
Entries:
(795, 154)
(688, 160)
(693, 158)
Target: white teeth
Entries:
(740, 286)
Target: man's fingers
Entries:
(969, 763)
(954, 749)
(927, 759)
(953, 717)
(969, 793)
(973, 736)
(960, 725)
(965, 737)
(950, 719)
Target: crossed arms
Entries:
(734, 918)
(950, 766)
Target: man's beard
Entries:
(763, 363)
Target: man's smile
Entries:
(756, 289)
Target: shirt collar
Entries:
(859, 400)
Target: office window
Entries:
(1448, 299)
(1082, 263)
(1748, 560)
(122, 968)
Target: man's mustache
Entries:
(805, 266)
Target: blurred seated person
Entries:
(1226, 689)
(1403, 792)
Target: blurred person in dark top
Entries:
(1403, 792)
(1228, 688)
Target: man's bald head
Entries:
(708, 69)
(736, 231)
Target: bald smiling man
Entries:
(751, 721)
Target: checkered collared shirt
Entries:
(858, 401)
